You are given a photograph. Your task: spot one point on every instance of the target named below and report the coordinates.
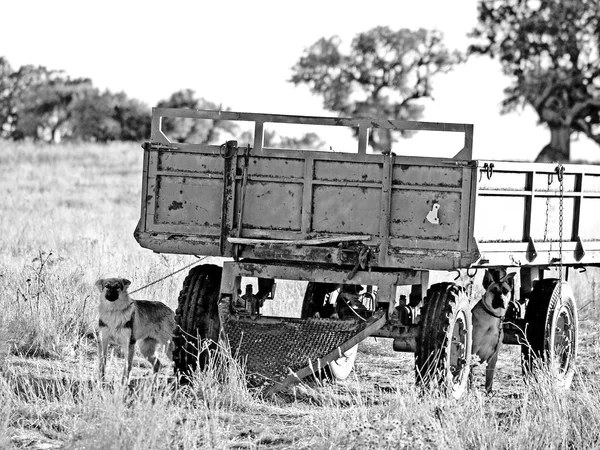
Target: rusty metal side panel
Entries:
(273, 196)
(184, 194)
(346, 210)
(271, 206)
(302, 193)
(430, 207)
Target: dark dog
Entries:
(126, 322)
(488, 316)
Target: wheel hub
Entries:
(563, 340)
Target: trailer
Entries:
(359, 225)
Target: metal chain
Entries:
(547, 216)
(560, 170)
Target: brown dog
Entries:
(488, 316)
(126, 322)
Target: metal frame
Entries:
(527, 251)
(363, 125)
(386, 281)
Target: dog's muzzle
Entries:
(499, 302)
(111, 295)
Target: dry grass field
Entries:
(67, 215)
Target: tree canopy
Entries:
(383, 74)
(550, 49)
(44, 104)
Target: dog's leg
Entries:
(169, 347)
(130, 346)
(489, 371)
(102, 354)
(470, 379)
(148, 349)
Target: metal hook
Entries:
(489, 170)
(227, 149)
(472, 276)
(560, 170)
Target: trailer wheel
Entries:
(197, 318)
(551, 331)
(314, 302)
(443, 356)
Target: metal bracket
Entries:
(531, 251)
(148, 146)
(227, 151)
(579, 250)
(240, 216)
(362, 262)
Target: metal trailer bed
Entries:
(358, 218)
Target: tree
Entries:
(5, 95)
(15, 86)
(45, 110)
(38, 103)
(104, 116)
(133, 117)
(550, 49)
(92, 118)
(383, 75)
(190, 130)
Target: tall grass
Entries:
(220, 412)
(67, 219)
(68, 216)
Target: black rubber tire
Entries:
(551, 331)
(197, 317)
(314, 299)
(443, 356)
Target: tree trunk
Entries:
(559, 147)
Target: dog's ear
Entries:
(510, 278)
(488, 279)
(126, 283)
(99, 284)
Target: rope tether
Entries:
(170, 275)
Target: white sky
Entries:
(240, 53)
